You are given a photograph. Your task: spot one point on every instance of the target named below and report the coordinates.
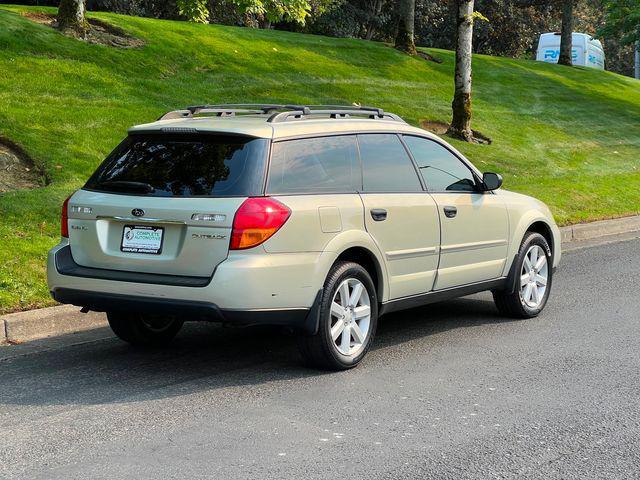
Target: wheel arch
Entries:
(358, 246)
(369, 262)
(544, 229)
(536, 225)
(350, 246)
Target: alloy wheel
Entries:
(350, 317)
(534, 277)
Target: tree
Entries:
(373, 11)
(260, 13)
(405, 37)
(269, 11)
(566, 34)
(194, 10)
(461, 123)
(71, 19)
(622, 20)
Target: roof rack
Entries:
(333, 111)
(226, 110)
(281, 113)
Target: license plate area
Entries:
(144, 239)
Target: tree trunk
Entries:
(369, 33)
(461, 105)
(250, 21)
(405, 35)
(566, 33)
(375, 11)
(71, 17)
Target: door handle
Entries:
(378, 214)
(450, 211)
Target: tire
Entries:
(528, 302)
(144, 329)
(348, 348)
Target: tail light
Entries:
(64, 223)
(256, 220)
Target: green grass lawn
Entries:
(569, 136)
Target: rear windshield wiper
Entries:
(127, 186)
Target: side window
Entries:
(386, 167)
(442, 170)
(326, 164)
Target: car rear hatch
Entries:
(165, 204)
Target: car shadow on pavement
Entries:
(206, 357)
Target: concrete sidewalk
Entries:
(34, 324)
(602, 228)
(46, 322)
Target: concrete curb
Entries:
(46, 322)
(33, 324)
(602, 228)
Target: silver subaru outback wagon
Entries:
(319, 219)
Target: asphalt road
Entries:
(449, 391)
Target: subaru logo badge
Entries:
(137, 212)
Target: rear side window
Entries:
(442, 170)
(184, 166)
(386, 166)
(315, 165)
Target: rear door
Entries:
(165, 204)
(400, 216)
(474, 224)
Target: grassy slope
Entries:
(568, 136)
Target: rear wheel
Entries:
(144, 329)
(533, 280)
(348, 319)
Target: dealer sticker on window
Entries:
(142, 239)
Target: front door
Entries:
(474, 225)
(474, 238)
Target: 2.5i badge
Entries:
(142, 239)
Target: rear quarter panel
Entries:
(327, 223)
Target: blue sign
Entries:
(553, 54)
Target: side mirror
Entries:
(491, 181)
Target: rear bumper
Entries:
(249, 287)
(296, 318)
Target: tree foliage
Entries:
(255, 12)
(275, 10)
(622, 19)
(194, 10)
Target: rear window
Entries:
(315, 165)
(184, 166)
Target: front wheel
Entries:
(534, 274)
(144, 329)
(348, 319)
